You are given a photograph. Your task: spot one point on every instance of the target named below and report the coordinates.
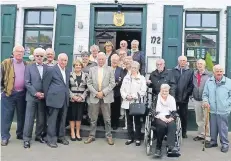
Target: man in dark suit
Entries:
(115, 106)
(35, 98)
(56, 90)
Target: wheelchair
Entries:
(150, 129)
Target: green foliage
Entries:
(209, 62)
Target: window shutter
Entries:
(228, 57)
(172, 34)
(8, 21)
(65, 31)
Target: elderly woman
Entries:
(94, 49)
(78, 93)
(165, 119)
(133, 84)
(137, 55)
(87, 63)
(108, 47)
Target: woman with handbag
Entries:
(165, 120)
(133, 87)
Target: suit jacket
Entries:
(33, 81)
(55, 89)
(118, 81)
(108, 83)
(139, 56)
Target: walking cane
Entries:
(206, 126)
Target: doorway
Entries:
(115, 37)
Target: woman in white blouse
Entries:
(165, 119)
(133, 83)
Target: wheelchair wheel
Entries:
(147, 130)
(149, 144)
(178, 131)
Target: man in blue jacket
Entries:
(217, 97)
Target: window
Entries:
(201, 36)
(38, 29)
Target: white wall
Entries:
(154, 15)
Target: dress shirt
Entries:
(100, 77)
(63, 73)
(40, 69)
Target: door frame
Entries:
(112, 6)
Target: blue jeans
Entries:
(8, 105)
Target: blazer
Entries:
(108, 83)
(56, 91)
(33, 81)
(78, 90)
(139, 56)
(118, 80)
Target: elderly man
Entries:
(50, 56)
(123, 46)
(184, 87)
(161, 76)
(35, 98)
(138, 56)
(200, 76)
(115, 106)
(101, 82)
(13, 94)
(56, 91)
(94, 49)
(217, 97)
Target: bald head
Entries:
(62, 60)
(182, 61)
(18, 52)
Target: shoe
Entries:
(138, 142)
(4, 142)
(198, 138)
(224, 149)
(128, 142)
(206, 142)
(158, 153)
(172, 150)
(63, 141)
(79, 139)
(52, 145)
(19, 137)
(184, 136)
(73, 139)
(115, 128)
(26, 144)
(110, 141)
(41, 140)
(89, 140)
(210, 145)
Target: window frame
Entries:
(37, 27)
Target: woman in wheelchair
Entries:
(165, 120)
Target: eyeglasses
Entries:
(39, 56)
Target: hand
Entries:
(75, 98)
(149, 82)
(129, 98)
(170, 120)
(39, 95)
(79, 99)
(99, 95)
(205, 105)
(164, 119)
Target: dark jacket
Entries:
(198, 90)
(89, 65)
(184, 81)
(118, 81)
(165, 77)
(139, 56)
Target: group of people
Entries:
(108, 82)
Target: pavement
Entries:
(101, 151)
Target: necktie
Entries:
(100, 78)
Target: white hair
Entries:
(160, 60)
(182, 57)
(94, 47)
(165, 86)
(135, 42)
(136, 64)
(217, 67)
(115, 56)
(101, 54)
(62, 55)
(202, 61)
(39, 51)
(51, 50)
(17, 46)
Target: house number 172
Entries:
(155, 40)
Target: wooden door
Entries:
(102, 37)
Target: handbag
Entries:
(137, 108)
